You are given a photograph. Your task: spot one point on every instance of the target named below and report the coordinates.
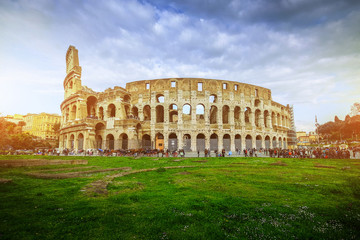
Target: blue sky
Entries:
(306, 51)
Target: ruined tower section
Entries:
(72, 81)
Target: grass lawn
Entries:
(173, 198)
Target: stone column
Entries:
(193, 142)
(166, 140)
(232, 143)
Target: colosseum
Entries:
(172, 113)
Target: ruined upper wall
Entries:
(187, 85)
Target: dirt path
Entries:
(99, 187)
(38, 162)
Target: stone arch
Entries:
(91, 103)
(266, 118)
(147, 113)
(257, 103)
(214, 142)
(247, 116)
(80, 141)
(274, 142)
(173, 142)
(126, 98)
(73, 113)
(273, 119)
(159, 114)
(98, 141)
(237, 111)
(267, 142)
(101, 113)
(186, 112)
(187, 142)
(200, 142)
(160, 98)
(284, 143)
(238, 142)
(258, 142)
(159, 141)
(124, 141)
(225, 114)
(278, 119)
(280, 142)
(227, 142)
(110, 142)
(146, 141)
(111, 110)
(72, 141)
(200, 111)
(135, 111)
(212, 98)
(213, 114)
(173, 113)
(257, 117)
(248, 142)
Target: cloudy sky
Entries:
(306, 51)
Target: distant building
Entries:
(41, 125)
(16, 118)
(305, 139)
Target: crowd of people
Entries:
(333, 152)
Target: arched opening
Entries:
(110, 142)
(147, 113)
(266, 118)
(200, 142)
(213, 114)
(111, 110)
(160, 98)
(227, 142)
(258, 142)
(187, 142)
(98, 143)
(173, 142)
(257, 117)
(267, 142)
(146, 141)
(101, 113)
(257, 103)
(237, 114)
(186, 113)
(126, 99)
(72, 141)
(212, 98)
(278, 120)
(173, 113)
(238, 142)
(214, 142)
(73, 113)
(127, 111)
(247, 116)
(274, 143)
(91, 106)
(200, 111)
(284, 143)
(70, 85)
(159, 141)
(159, 114)
(124, 141)
(80, 141)
(225, 114)
(135, 112)
(280, 143)
(65, 142)
(248, 142)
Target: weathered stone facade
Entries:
(172, 113)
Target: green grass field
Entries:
(203, 198)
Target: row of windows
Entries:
(200, 87)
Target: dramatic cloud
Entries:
(305, 51)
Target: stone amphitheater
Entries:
(172, 113)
